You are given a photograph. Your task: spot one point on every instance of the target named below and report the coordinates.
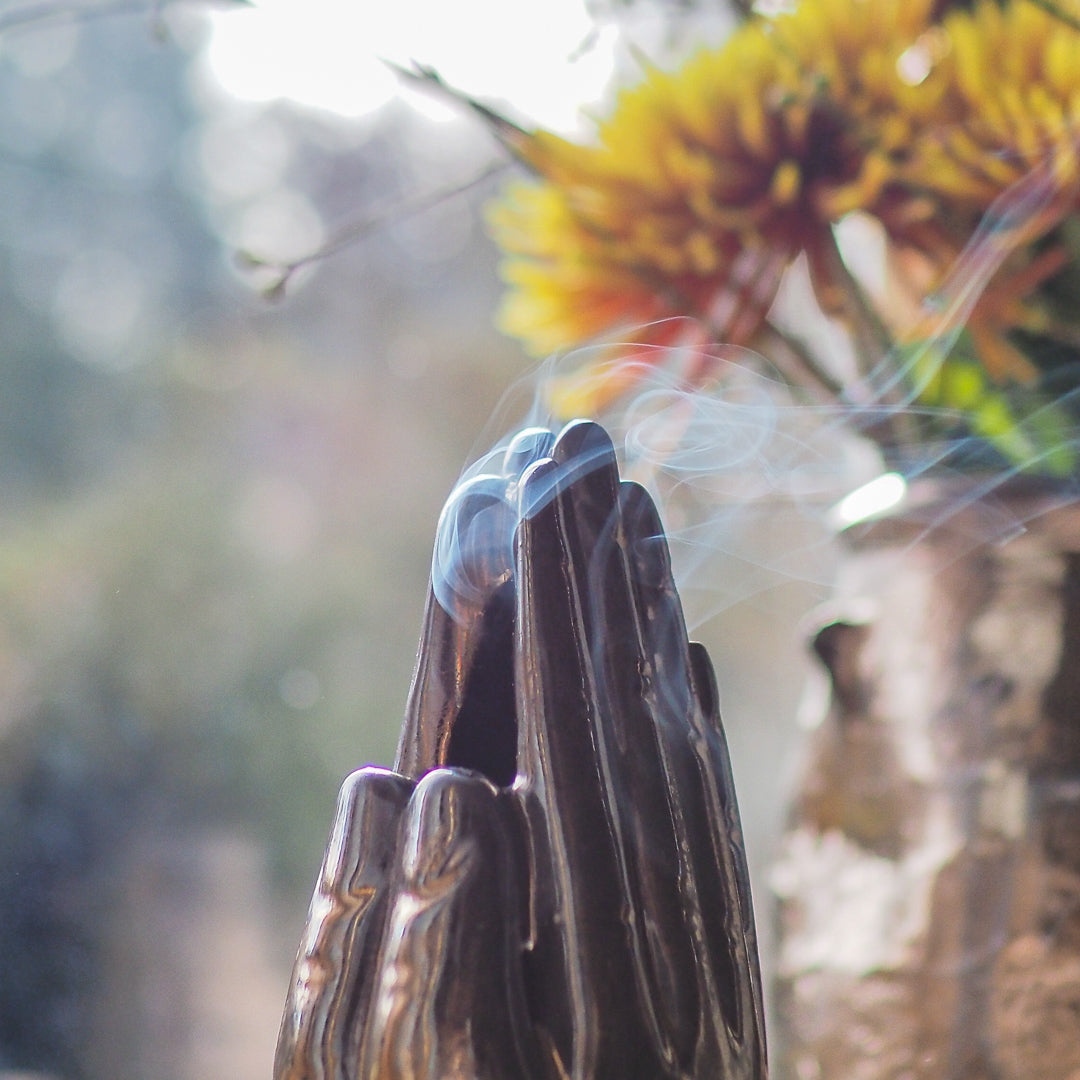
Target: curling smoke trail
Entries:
(741, 474)
(1022, 213)
(748, 477)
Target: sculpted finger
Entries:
(460, 710)
(450, 999)
(693, 754)
(596, 975)
(330, 990)
(627, 650)
(465, 643)
(645, 914)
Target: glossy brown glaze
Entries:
(333, 974)
(566, 894)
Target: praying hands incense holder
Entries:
(551, 883)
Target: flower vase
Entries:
(928, 880)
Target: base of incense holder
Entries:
(551, 883)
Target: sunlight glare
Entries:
(327, 54)
(880, 495)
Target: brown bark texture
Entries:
(929, 877)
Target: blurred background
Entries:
(217, 505)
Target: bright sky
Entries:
(537, 54)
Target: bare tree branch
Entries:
(360, 229)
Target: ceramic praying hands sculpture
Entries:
(551, 883)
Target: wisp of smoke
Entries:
(743, 476)
(1008, 223)
(750, 479)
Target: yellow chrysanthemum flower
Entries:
(1008, 85)
(1001, 162)
(704, 183)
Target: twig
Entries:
(426, 78)
(873, 347)
(794, 361)
(873, 342)
(356, 231)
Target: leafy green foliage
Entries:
(1030, 431)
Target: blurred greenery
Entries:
(217, 512)
(1014, 429)
(216, 515)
